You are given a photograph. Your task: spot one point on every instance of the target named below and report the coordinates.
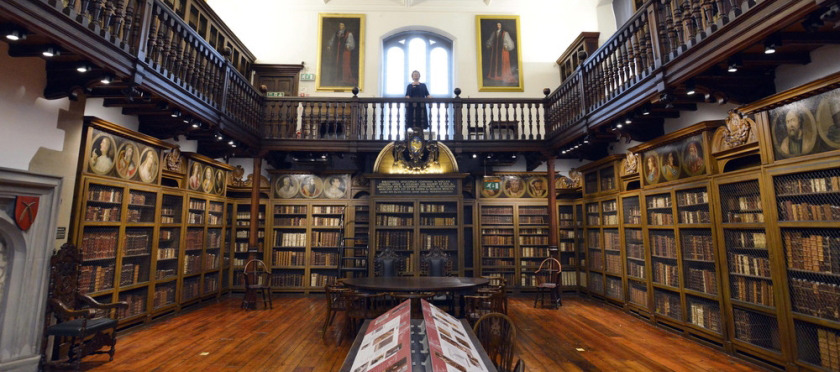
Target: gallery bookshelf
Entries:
(289, 241)
(412, 227)
(594, 248)
(168, 257)
(807, 211)
(568, 239)
(601, 227)
(469, 230)
(240, 235)
(356, 255)
(580, 243)
(636, 268)
(325, 238)
(203, 242)
(751, 283)
(514, 240)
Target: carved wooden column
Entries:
(553, 251)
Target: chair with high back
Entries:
(548, 282)
(79, 324)
(257, 282)
(497, 335)
(336, 302)
(361, 306)
(386, 262)
(436, 262)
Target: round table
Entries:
(416, 284)
(410, 284)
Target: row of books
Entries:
(660, 218)
(290, 209)
(566, 246)
(829, 344)
(746, 239)
(429, 241)
(668, 304)
(194, 239)
(607, 183)
(744, 217)
(805, 211)
(614, 288)
(211, 261)
(704, 314)
(136, 304)
(324, 259)
(170, 211)
(290, 221)
(563, 216)
(285, 279)
(596, 283)
(131, 274)
(701, 280)
(327, 209)
(394, 221)
(689, 198)
(197, 204)
(394, 239)
(755, 328)
(286, 258)
(698, 247)
(497, 262)
(596, 260)
(609, 206)
(326, 238)
(137, 243)
(496, 231)
(168, 219)
(753, 290)
(610, 219)
(247, 216)
(290, 239)
(593, 220)
(326, 221)
(818, 252)
(498, 252)
(533, 240)
(214, 239)
(189, 290)
(163, 296)
(592, 208)
(216, 208)
(140, 199)
(107, 195)
(636, 269)
(99, 244)
(635, 250)
(213, 219)
(95, 278)
(497, 239)
(667, 274)
(611, 240)
(211, 284)
(663, 245)
(437, 221)
(697, 216)
(613, 263)
(168, 234)
(541, 211)
(633, 219)
(790, 185)
(746, 264)
(533, 220)
(192, 264)
(743, 203)
(195, 218)
(436, 208)
(593, 239)
(816, 298)
(659, 201)
(163, 273)
(566, 234)
(395, 208)
(98, 213)
(637, 294)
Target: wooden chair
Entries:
(479, 305)
(386, 262)
(361, 306)
(497, 284)
(548, 282)
(257, 282)
(497, 335)
(78, 323)
(336, 302)
(437, 263)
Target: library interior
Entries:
(416, 185)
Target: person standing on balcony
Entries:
(339, 53)
(499, 45)
(415, 112)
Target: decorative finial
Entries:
(355, 92)
(457, 92)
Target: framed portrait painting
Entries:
(341, 51)
(499, 53)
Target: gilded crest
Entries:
(236, 180)
(631, 163)
(173, 160)
(737, 130)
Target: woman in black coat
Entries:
(415, 112)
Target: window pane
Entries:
(395, 74)
(417, 57)
(439, 74)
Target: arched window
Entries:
(424, 51)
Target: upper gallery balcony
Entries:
(177, 67)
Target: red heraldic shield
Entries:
(26, 208)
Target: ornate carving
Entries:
(236, 180)
(416, 154)
(577, 178)
(173, 160)
(737, 130)
(631, 163)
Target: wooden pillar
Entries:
(552, 209)
(255, 206)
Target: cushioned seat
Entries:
(75, 327)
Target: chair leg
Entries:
(113, 345)
(537, 297)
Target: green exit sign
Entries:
(275, 94)
(307, 77)
(492, 183)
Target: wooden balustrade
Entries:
(685, 22)
(383, 119)
(115, 20)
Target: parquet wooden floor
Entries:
(222, 337)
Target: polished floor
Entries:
(583, 335)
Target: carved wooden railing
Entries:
(683, 23)
(383, 119)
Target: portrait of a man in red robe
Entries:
(341, 39)
(499, 54)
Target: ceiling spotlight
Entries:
(232, 143)
(196, 124)
(475, 155)
(50, 52)
(513, 156)
(619, 125)
(769, 47)
(646, 110)
(563, 152)
(15, 34)
(586, 139)
(734, 64)
(83, 68)
(323, 156)
(628, 120)
(175, 113)
(219, 137)
(106, 79)
(689, 88)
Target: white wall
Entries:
(823, 62)
(287, 32)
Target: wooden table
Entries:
(409, 284)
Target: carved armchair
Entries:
(386, 261)
(79, 324)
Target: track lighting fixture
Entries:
(586, 139)
(15, 34)
(175, 113)
(83, 68)
(219, 136)
(474, 155)
(50, 52)
(628, 120)
(195, 124)
(232, 143)
(769, 47)
(689, 88)
(513, 156)
(733, 64)
(619, 125)
(106, 79)
(646, 110)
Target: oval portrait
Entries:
(311, 186)
(651, 168)
(194, 182)
(128, 158)
(828, 120)
(103, 150)
(537, 186)
(335, 187)
(513, 187)
(149, 162)
(219, 182)
(207, 180)
(670, 166)
(286, 187)
(794, 131)
(693, 162)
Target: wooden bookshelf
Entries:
(240, 234)
(568, 240)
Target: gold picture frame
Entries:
(499, 53)
(341, 52)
